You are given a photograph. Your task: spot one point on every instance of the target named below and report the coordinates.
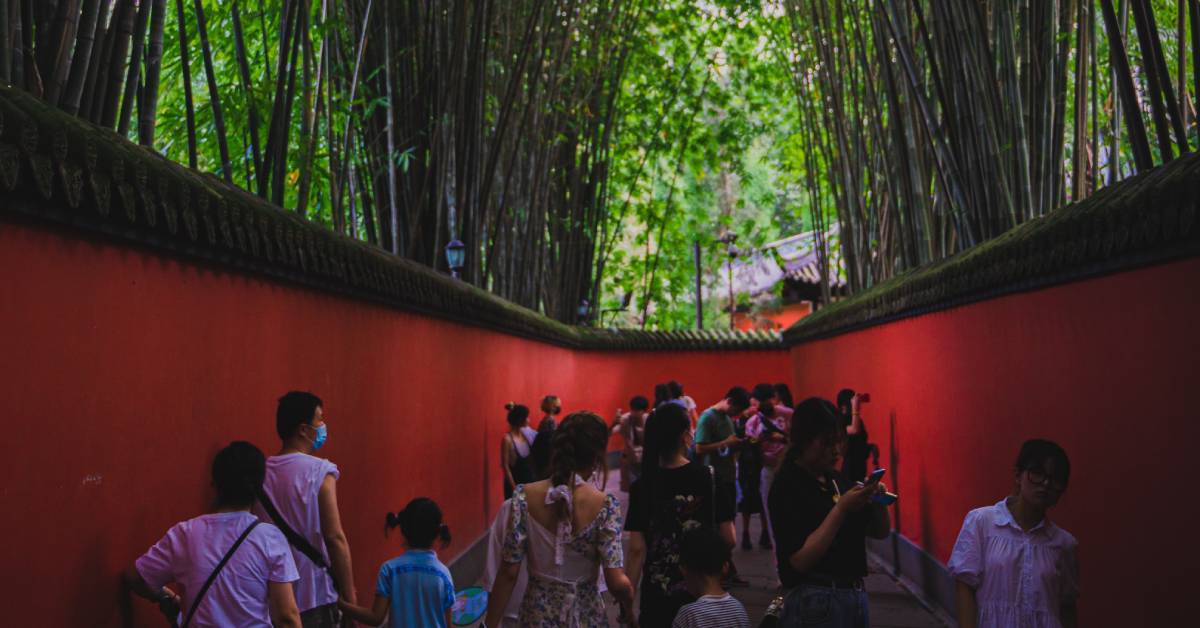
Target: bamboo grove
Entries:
(406, 123)
(938, 124)
(581, 148)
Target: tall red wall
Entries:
(1107, 367)
(123, 372)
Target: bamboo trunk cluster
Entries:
(936, 125)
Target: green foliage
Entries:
(710, 109)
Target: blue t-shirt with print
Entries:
(418, 587)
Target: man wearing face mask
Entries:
(302, 490)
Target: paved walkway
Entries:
(891, 605)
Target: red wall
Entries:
(1106, 367)
(124, 372)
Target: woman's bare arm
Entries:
(506, 452)
(506, 578)
(968, 608)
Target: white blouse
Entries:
(1020, 578)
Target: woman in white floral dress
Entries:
(567, 532)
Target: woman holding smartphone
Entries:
(821, 528)
(1014, 567)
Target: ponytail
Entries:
(665, 428)
(579, 444)
(517, 414)
(421, 523)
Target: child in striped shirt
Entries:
(704, 561)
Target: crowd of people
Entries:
(273, 552)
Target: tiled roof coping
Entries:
(55, 167)
(1146, 219)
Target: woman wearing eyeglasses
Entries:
(1014, 567)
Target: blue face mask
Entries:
(322, 434)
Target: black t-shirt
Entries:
(798, 504)
(854, 468)
(680, 499)
(540, 449)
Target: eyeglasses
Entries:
(1038, 476)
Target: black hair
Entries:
(843, 401)
(662, 394)
(738, 397)
(702, 551)
(814, 418)
(785, 395)
(237, 474)
(421, 523)
(517, 414)
(580, 442)
(675, 389)
(551, 405)
(763, 392)
(1035, 453)
(639, 403)
(663, 436)
(295, 409)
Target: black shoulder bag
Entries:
(216, 570)
(295, 540)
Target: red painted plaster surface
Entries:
(123, 372)
(1106, 367)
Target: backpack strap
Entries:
(294, 539)
(216, 570)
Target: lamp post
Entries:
(728, 238)
(456, 253)
(584, 311)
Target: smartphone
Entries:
(887, 499)
(875, 476)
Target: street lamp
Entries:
(728, 238)
(456, 253)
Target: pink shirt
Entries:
(293, 482)
(772, 449)
(1021, 579)
(238, 597)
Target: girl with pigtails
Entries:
(415, 588)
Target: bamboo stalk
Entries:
(247, 89)
(185, 68)
(65, 23)
(1133, 121)
(214, 94)
(5, 44)
(133, 78)
(81, 63)
(147, 114)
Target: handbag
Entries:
(213, 576)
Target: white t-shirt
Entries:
(293, 482)
(238, 597)
(712, 611)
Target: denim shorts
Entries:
(811, 606)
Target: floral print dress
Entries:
(564, 568)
